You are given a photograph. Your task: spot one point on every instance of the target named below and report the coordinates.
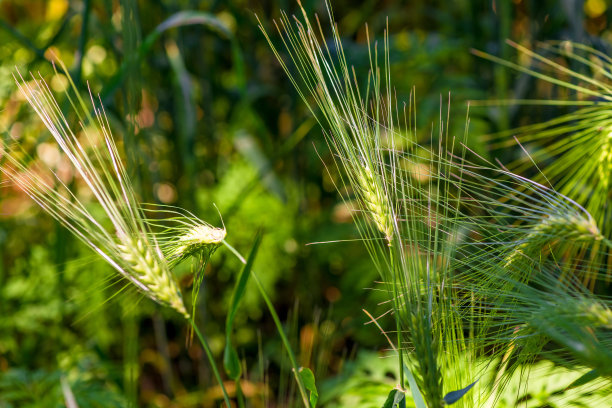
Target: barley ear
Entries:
(118, 232)
(568, 227)
(375, 202)
(152, 273)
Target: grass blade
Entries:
(419, 402)
(230, 356)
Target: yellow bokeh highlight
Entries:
(56, 9)
(595, 8)
(96, 54)
(59, 83)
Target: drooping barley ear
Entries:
(182, 235)
(566, 227)
(577, 146)
(126, 244)
(151, 272)
(595, 313)
(202, 238)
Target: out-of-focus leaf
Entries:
(455, 396)
(247, 145)
(419, 402)
(395, 399)
(180, 19)
(308, 379)
(588, 377)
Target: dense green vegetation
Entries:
(485, 257)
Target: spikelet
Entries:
(182, 235)
(147, 266)
(375, 202)
(128, 246)
(596, 314)
(570, 227)
(200, 238)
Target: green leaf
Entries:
(419, 402)
(180, 19)
(587, 377)
(186, 18)
(308, 379)
(455, 396)
(231, 362)
(395, 399)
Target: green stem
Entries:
(397, 319)
(211, 360)
(279, 328)
(82, 42)
(400, 353)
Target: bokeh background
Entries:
(209, 122)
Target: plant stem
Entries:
(211, 360)
(397, 319)
(279, 328)
(400, 353)
(281, 332)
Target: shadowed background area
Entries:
(207, 120)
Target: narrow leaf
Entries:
(191, 17)
(308, 379)
(231, 362)
(588, 377)
(241, 283)
(455, 396)
(179, 19)
(419, 402)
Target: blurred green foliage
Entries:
(206, 117)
